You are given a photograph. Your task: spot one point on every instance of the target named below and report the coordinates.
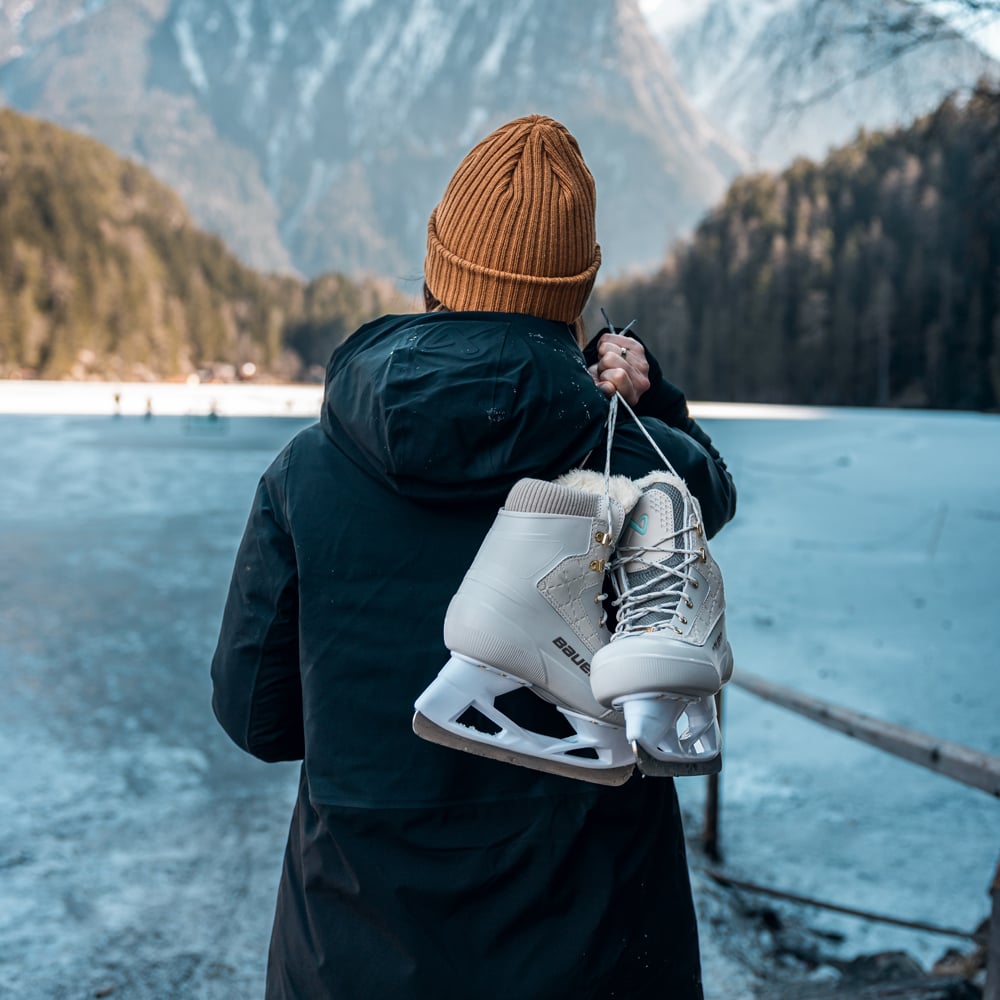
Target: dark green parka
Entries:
(413, 870)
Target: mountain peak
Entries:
(338, 124)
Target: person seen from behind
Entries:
(412, 870)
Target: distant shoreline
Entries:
(251, 399)
(178, 399)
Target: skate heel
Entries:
(457, 710)
(652, 724)
(460, 684)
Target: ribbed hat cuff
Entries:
(464, 285)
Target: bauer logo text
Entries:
(567, 650)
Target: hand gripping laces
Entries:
(613, 419)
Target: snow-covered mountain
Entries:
(319, 134)
(793, 77)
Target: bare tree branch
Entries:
(903, 27)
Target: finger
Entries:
(616, 349)
(612, 361)
(624, 352)
(637, 372)
(620, 381)
(607, 388)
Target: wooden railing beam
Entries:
(952, 760)
(960, 763)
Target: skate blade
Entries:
(656, 767)
(660, 751)
(428, 730)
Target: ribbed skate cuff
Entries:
(536, 496)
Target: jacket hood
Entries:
(456, 406)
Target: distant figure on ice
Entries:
(413, 870)
(149, 409)
(118, 405)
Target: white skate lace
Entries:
(652, 604)
(613, 419)
(647, 605)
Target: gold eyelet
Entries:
(688, 600)
(602, 538)
(683, 620)
(597, 565)
(703, 554)
(695, 585)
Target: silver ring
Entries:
(624, 352)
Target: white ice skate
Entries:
(530, 613)
(669, 654)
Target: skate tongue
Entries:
(654, 519)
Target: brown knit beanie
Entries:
(515, 229)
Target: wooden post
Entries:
(992, 991)
(710, 838)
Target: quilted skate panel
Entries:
(563, 589)
(707, 613)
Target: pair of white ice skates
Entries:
(530, 613)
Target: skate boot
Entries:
(669, 654)
(530, 613)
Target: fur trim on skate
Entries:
(659, 476)
(620, 488)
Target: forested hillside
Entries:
(102, 273)
(872, 278)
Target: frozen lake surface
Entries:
(140, 851)
(863, 567)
